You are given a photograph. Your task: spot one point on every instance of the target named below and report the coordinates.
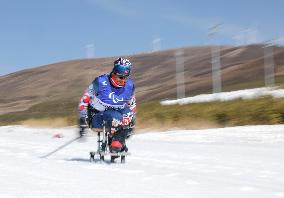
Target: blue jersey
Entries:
(101, 95)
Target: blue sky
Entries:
(35, 32)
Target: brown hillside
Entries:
(153, 73)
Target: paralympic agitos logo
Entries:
(114, 99)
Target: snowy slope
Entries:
(227, 96)
(228, 162)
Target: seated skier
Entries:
(110, 98)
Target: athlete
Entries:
(110, 98)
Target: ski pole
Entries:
(61, 147)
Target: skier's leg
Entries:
(126, 120)
(114, 120)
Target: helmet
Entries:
(122, 66)
(120, 72)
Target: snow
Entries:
(232, 162)
(227, 96)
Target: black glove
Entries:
(82, 125)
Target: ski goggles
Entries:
(121, 77)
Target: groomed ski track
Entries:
(227, 162)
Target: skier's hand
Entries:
(128, 120)
(82, 131)
(82, 125)
(83, 122)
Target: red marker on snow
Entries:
(57, 135)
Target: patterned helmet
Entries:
(122, 66)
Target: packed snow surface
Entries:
(227, 96)
(226, 162)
